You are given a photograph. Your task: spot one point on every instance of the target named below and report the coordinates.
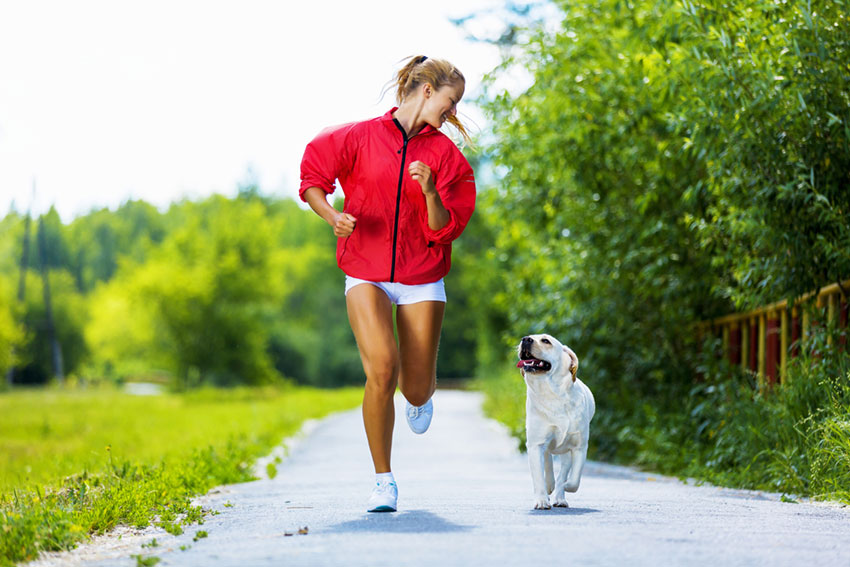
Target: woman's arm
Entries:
(342, 223)
(438, 215)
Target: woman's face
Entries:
(441, 104)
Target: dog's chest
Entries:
(559, 439)
(555, 423)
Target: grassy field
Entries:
(76, 462)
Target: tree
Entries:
(765, 103)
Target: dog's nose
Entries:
(526, 341)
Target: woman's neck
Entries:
(409, 114)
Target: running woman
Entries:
(409, 192)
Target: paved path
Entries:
(465, 500)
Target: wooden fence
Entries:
(762, 340)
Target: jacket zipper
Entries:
(398, 195)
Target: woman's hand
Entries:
(422, 173)
(343, 225)
(438, 216)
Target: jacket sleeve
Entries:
(327, 157)
(456, 187)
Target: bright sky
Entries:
(104, 101)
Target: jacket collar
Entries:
(388, 118)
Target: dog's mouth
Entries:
(531, 364)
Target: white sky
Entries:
(103, 101)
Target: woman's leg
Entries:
(419, 327)
(370, 313)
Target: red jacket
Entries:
(391, 240)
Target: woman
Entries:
(409, 192)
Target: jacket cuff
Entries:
(446, 234)
(320, 183)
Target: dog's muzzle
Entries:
(529, 363)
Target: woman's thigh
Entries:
(370, 314)
(419, 327)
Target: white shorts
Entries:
(402, 294)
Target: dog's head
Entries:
(544, 354)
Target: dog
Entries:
(558, 411)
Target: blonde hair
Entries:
(439, 73)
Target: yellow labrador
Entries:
(558, 410)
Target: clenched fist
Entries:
(344, 225)
(422, 173)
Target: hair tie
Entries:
(422, 60)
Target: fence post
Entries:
(830, 315)
(796, 327)
(772, 341)
(783, 346)
(745, 343)
(804, 333)
(734, 343)
(762, 345)
(753, 363)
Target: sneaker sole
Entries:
(382, 509)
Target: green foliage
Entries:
(471, 337)
(665, 163)
(220, 291)
(210, 286)
(599, 249)
(74, 463)
(764, 105)
(804, 451)
(69, 317)
(504, 401)
(11, 333)
(102, 239)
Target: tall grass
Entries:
(74, 463)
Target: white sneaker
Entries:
(419, 417)
(384, 497)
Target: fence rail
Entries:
(763, 339)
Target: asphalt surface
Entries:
(465, 499)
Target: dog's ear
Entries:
(573, 361)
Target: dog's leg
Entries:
(579, 456)
(536, 456)
(548, 472)
(558, 498)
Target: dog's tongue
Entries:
(522, 363)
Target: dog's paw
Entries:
(560, 503)
(542, 504)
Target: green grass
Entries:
(77, 462)
(504, 401)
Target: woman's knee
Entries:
(418, 390)
(382, 376)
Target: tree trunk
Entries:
(22, 283)
(48, 307)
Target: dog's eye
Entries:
(545, 341)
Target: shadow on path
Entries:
(409, 521)
(563, 512)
